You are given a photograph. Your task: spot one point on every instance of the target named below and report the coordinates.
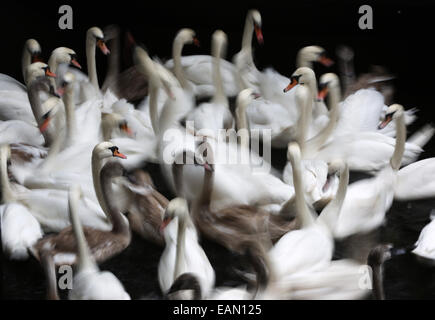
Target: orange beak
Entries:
(327, 62)
(127, 130)
(196, 41)
(384, 123)
(259, 34)
(75, 63)
(118, 154)
(291, 85)
(48, 73)
(322, 93)
(45, 124)
(102, 45)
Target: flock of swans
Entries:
(74, 187)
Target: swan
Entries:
(48, 202)
(89, 283)
(146, 208)
(242, 229)
(367, 200)
(16, 105)
(309, 249)
(31, 52)
(182, 251)
(424, 247)
(60, 249)
(247, 72)
(62, 55)
(20, 230)
(87, 87)
(216, 114)
(319, 185)
(279, 111)
(415, 181)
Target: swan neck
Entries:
(85, 259)
(315, 143)
(334, 207)
(177, 49)
(70, 115)
(181, 243)
(219, 94)
(91, 63)
(7, 193)
(248, 32)
(25, 62)
(207, 188)
(242, 124)
(118, 222)
(305, 108)
(96, 168)
(153, 103)
(399, 148)
(303, 213)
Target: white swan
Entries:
(367, 200)
(182, 253)
(20, 230)
(89, 283)
(310, 248)
(425, 245)
(31, 52)
(416, 181)
(216, 114)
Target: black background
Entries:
(401, 39)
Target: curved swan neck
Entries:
(399, 148)
(333, 209)
(248, 32)
(315, 143)
(219, 94)
(118, 222)
(207, 188)
(305, 107)
(242, 123)
(177, 49)
(7, 193)
(181, 246)
(70, 115)
(90, 60)
(96, 168)
(303, 213)
(154, 86)
(85, 259)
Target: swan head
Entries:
(255, 16)
(393, 112)
(52, 104)
(107, 149)
(33, 47)
(310, 54)
(245, 97)
(303, 75)
(177, 207)
(111, 121)
(96, 35)
(66, 83)
(219, 43)
(186, 35)
(327, 82)
(37, 69)
(65, 55)
(293, 152)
